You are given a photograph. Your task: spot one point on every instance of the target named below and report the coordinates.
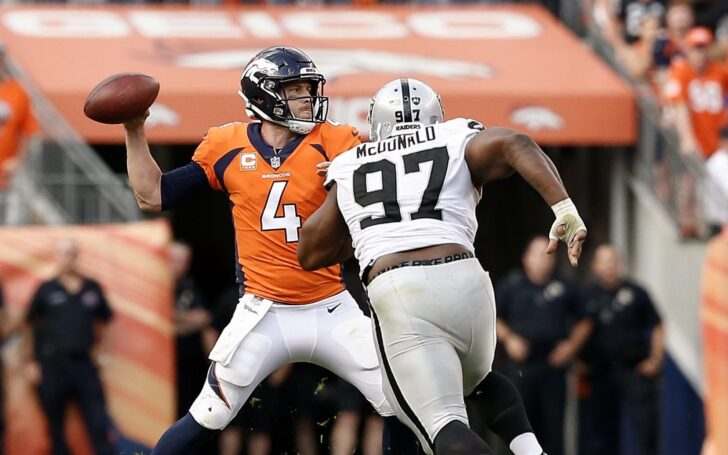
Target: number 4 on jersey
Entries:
(290, 222)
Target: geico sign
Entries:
(323, 25)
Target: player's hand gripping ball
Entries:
(121, 97)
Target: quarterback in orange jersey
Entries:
(270, 200)
(268, 171)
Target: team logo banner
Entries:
(512, 66)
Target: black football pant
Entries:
(74, 379)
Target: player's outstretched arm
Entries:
(498, 152)
(324, 238)
(144, 173)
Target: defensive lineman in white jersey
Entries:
(406, 202)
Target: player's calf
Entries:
(184, 437)
(499, 404)
(457, 439)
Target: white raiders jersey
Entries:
(408, 191)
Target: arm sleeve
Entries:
(178, 184)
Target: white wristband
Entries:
(568, 217)
(563, 207)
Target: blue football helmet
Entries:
(262, 87)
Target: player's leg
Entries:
(422, 369)
(457, 439)
(345, 346)
(227, 388)
(490, 393)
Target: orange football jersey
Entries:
(269, 206)
(704, 95)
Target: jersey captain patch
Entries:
(248, 161)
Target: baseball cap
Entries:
(699, 36)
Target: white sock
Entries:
(526, 444)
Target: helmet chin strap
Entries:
(299, 127)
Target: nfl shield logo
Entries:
(275, 162)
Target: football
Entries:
(121, 97)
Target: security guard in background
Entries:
(541, 331)
(623, 359)
(191, 318)
(67, 316)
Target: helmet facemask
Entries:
(272, 104)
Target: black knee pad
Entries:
(499, 404)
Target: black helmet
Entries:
(262, 83)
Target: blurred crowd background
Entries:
(609, 358)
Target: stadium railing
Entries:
(679, 181)
(62, 180)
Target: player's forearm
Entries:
(314, 252)
(346, 251)
(527, 158)
(144, 173)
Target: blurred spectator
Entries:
(540, 329)
(17, 130)
(695, 89)
(623, 359)
(678, 20)
(68, 317)
(191, 316)
(695, 93)
(632, 14)
(637, 57)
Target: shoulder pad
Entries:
(225, 132)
